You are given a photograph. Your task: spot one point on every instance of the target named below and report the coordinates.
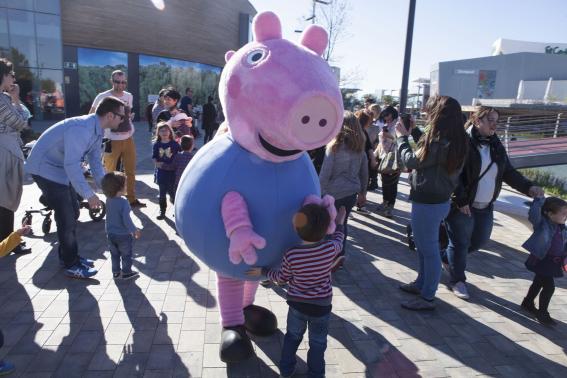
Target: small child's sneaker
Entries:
(362, 210)
(116, 275)
(6, 367)
(266, 283)
(131, 275)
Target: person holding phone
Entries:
(387, 141)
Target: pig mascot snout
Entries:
(236, 199)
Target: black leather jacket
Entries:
(468, 181)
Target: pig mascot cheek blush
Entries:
(236, 200)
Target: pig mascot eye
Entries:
(255, 56)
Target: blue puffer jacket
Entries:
(538, 244)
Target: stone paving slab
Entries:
(165, 324)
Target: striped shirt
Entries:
(307, 270)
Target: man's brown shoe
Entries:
(137, 203)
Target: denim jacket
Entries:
(538, 244)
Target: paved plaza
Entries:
(166, 323)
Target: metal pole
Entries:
(313, 19)
(407, 57)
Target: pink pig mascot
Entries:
(235, 201)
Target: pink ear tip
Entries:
(266, 26)
(315, 38)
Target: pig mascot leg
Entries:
(238, 315)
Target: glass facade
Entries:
(157, 73)
(30, 37)
(95, 67)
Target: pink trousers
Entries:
(233, 296)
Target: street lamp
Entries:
(407, 57)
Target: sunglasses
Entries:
(119, 82)
(119, 115)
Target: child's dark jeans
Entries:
(121, 247)
(297, 323)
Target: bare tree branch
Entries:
(334, 18)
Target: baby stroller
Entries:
(443, 238)
(96, 214)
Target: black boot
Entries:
(529, 306)
(235, 344)
(544, 318)
(259, 320)
(162, 208)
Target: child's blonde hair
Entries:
(162, 125)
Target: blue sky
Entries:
(444, 30)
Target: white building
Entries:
(509, 46)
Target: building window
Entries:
(95, 68)
(157, 73)
(30, 37)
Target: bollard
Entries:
(557, 123)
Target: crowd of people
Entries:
(456, 171)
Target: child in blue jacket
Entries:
(548, 257)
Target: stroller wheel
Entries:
(27, 220)
(46, 225)
(98, 214)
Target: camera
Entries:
(406, 120)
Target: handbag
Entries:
(390, 162)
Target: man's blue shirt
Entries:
(58, 153)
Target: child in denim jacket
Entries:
(548, 257)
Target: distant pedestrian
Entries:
(157, 108)
(548, 256)
(120, 230)
(387, 139)
(164, 150)
(186, 103)
(181, 160)
(307, 270)
(209, 119)
(180, 127)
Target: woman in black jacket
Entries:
(470, 221)
(436, 165)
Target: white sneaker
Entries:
(460, 290)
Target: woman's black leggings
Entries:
(547, 287)
(390, 187)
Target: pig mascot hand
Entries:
(236, 199)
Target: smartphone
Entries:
(406, 120)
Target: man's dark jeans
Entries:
(65, 204)
(466, 234)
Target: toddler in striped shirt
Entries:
(306, 268)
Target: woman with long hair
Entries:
(470, 221)
(12, 120)
(436, 165)
(365, 119)
(344, 173)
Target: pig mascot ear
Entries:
(228, 55)
(315, 38)
(266, 26)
